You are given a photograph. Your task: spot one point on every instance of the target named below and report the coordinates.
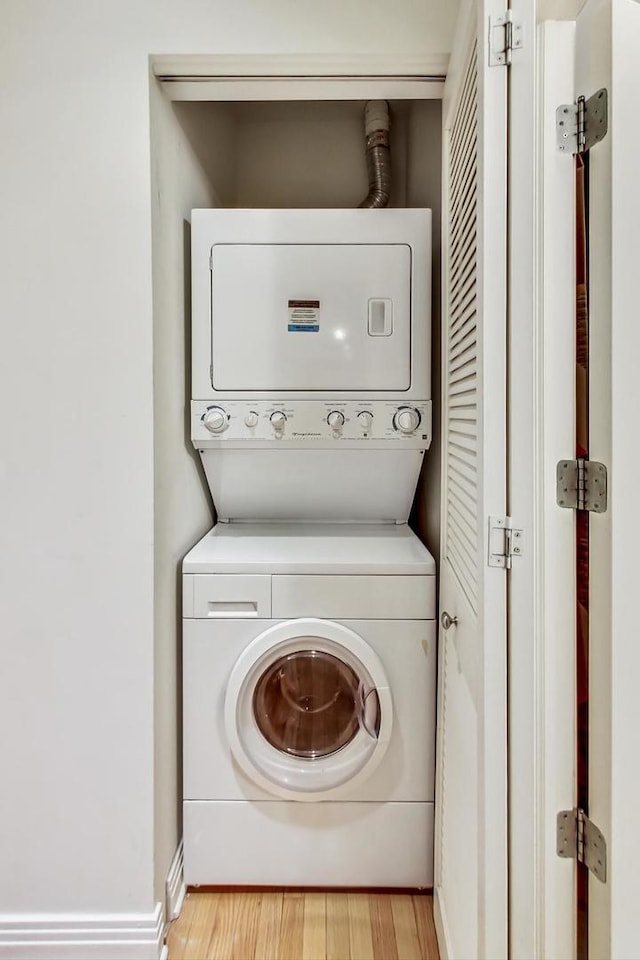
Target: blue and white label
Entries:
(304, 316)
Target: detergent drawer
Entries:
(221, 596)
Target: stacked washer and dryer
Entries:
(309, 634)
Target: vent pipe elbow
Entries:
(376, 123)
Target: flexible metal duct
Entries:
(376, 124)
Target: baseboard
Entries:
(109, 936)
(176, 889)
(442, 928)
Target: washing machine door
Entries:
(308, 710)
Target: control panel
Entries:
(311, 421)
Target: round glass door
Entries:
(308, 704)
(308, 710)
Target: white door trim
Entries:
(236, 78)
(556, 714)
(352, 67)
(523, 492)
(542, 607)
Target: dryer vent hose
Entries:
(376, 124)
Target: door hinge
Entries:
(505, 542)
(580, 125)
(578, 838)
(581, 485)
(505, 36)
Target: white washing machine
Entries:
(309, 630)
(309, 669)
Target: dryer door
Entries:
(308, 710)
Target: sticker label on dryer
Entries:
(304, 316)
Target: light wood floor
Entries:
(304, 926)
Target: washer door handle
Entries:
(447, 620)
(369, 711)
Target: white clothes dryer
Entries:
(309, 668)
(311, 339)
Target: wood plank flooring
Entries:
(304, 926)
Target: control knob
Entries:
(407, 420)
(215, 420)
(336, 421)
(251, 419)
(278, 420)
(365, 419)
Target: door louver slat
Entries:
(466, 484)
(463, 410)
(468, 188)
(463, 468)
(468, 264)
(462, 445)
(466, 319)
(465, 576)
(460, 347)
(466, 505)
(465, 287)
(466, 516)
(453, 261)
(467, 373)
(460, 235)
(469, 326)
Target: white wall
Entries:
(608, 41)
(310, 154)
(624, 844)
(186, 172)
(76, 574)
(558, 9)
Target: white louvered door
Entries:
(471, 815)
